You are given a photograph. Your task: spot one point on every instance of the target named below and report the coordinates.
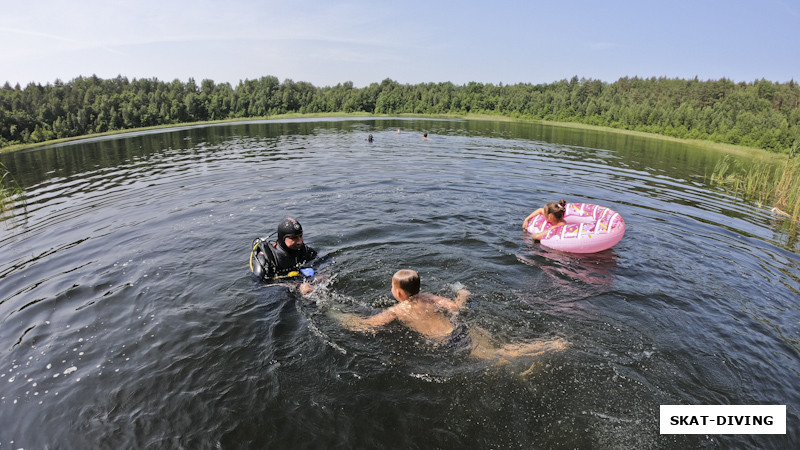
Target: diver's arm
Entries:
(309, 254)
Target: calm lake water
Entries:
(128, 317)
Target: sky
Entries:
(327, 42)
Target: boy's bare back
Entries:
(427, 314)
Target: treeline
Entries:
(759, 114)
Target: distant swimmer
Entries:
(369, 139)
(398, 131)
(425, 137)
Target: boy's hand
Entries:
(306, 288)
(461, 297)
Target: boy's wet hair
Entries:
(407, 280)
(556, 208)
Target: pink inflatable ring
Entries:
(589, 229)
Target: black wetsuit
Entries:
(284, 260)
(287, 260)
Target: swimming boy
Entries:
(427, 314)
(433, 317)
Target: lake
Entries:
(129, 318)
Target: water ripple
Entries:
(128, 318)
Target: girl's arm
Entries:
(531, 216)
(539, 236)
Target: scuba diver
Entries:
(286, 258)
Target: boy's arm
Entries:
(305, 288)
(453, 305)
(461, 297)
(358, 323)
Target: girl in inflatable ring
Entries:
(553, 212)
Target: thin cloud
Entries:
(73, 43)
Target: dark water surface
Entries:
(128, 318)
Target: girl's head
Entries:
(556, 209)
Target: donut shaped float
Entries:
(589, 229)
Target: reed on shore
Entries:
(11, 194)
(764, 183)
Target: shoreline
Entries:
(736, 150)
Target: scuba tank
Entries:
(262, 268)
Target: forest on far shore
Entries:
(761, 114)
